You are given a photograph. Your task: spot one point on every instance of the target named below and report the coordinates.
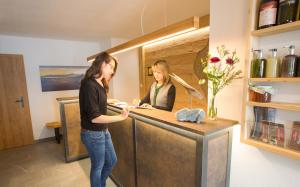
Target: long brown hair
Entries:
(95, 70)
(163, 66)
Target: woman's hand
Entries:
(112, 101)
(112, 119)
(146, 105)
(125, 113)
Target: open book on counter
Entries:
(191, 90)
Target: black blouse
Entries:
(93, 103)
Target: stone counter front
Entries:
(154, 149)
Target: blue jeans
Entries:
(102, 155)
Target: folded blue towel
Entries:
(194, 115)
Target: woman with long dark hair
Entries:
(94, 119)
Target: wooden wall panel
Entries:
(71, 124)
(183, 55)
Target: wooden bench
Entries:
(55, 125)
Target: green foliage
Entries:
(220, 73)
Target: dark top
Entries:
(93, 103)
(170, 99)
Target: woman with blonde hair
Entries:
(162, 92)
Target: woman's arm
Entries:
(88, 101)
(146, 99)
(170, 99)
(111, 119)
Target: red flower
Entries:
(229, 61)
(214, 60)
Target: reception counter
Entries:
(154, 149)
(70, 122)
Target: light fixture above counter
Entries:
(186, 26)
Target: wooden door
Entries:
(15, 121)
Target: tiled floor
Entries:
(42, 165)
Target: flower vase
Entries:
(212, 110)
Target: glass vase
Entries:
(212, 110)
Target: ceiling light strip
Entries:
(185, 26)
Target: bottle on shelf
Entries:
(287, 11)
(289, 63)
(298, 12)
(258, 64)
(272, 67)
(298, 68)
(267, 13)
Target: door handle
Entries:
(21, 101)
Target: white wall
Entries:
(125, 86)
(250, 166)
(36, 51)
(228, 28)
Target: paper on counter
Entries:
(191, 90)
(112, 101)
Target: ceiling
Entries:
(93, 20)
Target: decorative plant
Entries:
(220, 72)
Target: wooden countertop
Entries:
(66, 98)
(204, 128)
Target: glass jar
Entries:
(258, 97)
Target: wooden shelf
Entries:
(254, 42)
(279, 79)
(284, 106)
(275, 149)
(277, 29)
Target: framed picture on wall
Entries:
(58, 78)
(149, 71)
